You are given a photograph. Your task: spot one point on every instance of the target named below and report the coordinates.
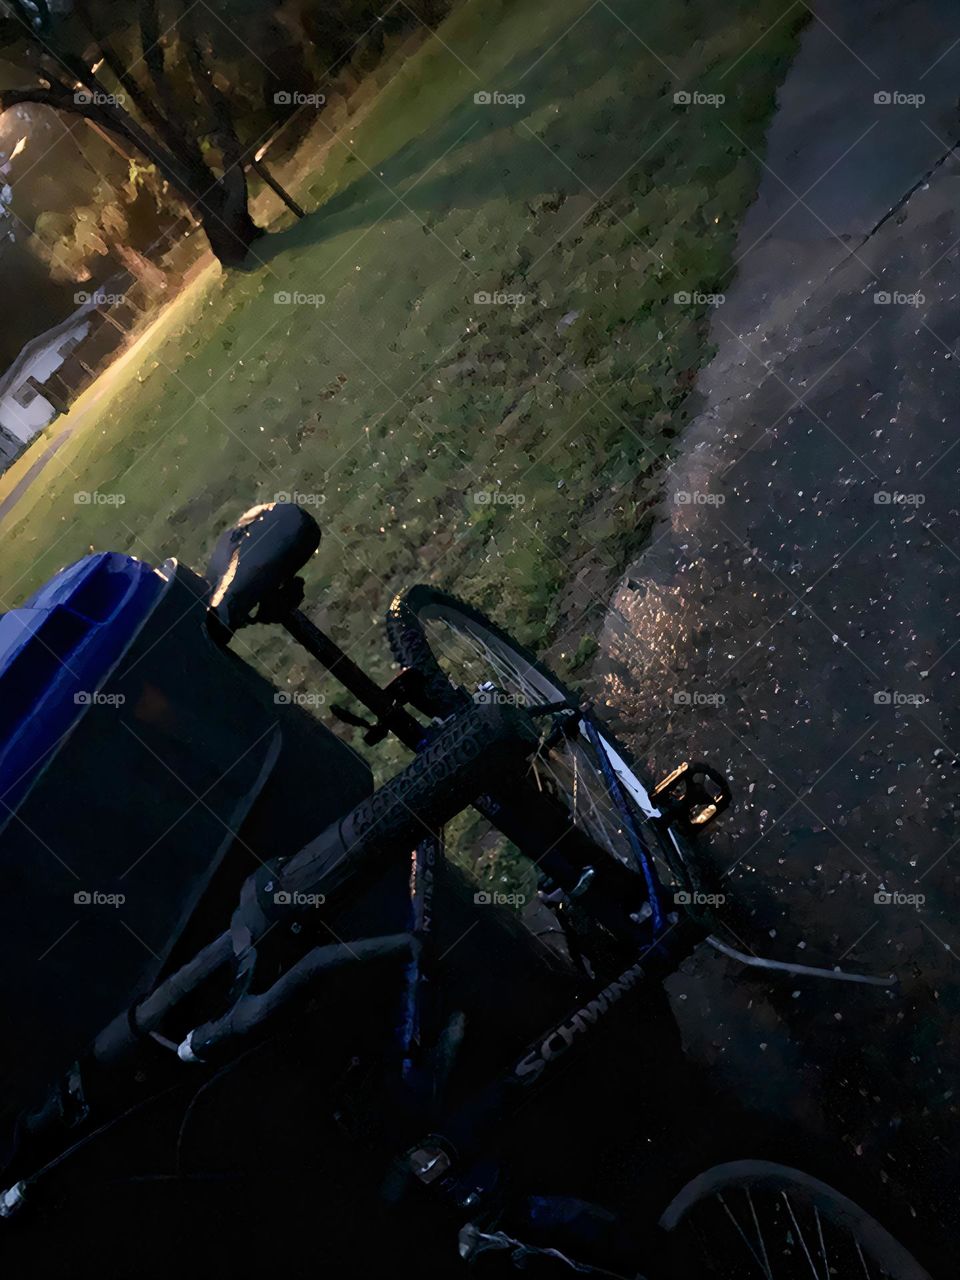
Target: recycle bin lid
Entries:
(57, 649)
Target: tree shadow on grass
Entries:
(479, 152)
(479, 167)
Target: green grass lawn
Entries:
(400, 403)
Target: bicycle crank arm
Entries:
(606, 889)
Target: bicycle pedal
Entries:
(694, 794)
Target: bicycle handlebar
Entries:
(471, 753)
(482, 751)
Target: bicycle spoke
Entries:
(863, 1261)
(756, 1223)
(729, 1212)
(800, 1228)
(823, 1247)
(803, 1243)
(576, 775)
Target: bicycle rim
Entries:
(475, 656)
(755, 1220)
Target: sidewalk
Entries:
(801, 592)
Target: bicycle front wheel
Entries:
(461, 654)
(756, 1220)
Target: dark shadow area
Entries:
(514, 164)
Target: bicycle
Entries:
(368, 899)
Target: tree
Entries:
(173, 109)
(176, 91)
(70, 243)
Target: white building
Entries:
(24, 410)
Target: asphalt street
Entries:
(794, 617)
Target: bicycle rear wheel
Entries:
(757, 1220)
(461, 654)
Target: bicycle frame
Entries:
(651, 943)
(388, 707)
(571, 1034)
(392, 717)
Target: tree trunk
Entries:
(222, 209)
(225, 217)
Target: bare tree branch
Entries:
(221, 202)
(153, 54)
(218, 104)
(62, 98)
(44, 53)
(168, 129)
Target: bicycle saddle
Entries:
(256, 558)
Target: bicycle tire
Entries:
(806, 1200)
(470, 754)
(438, 696)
